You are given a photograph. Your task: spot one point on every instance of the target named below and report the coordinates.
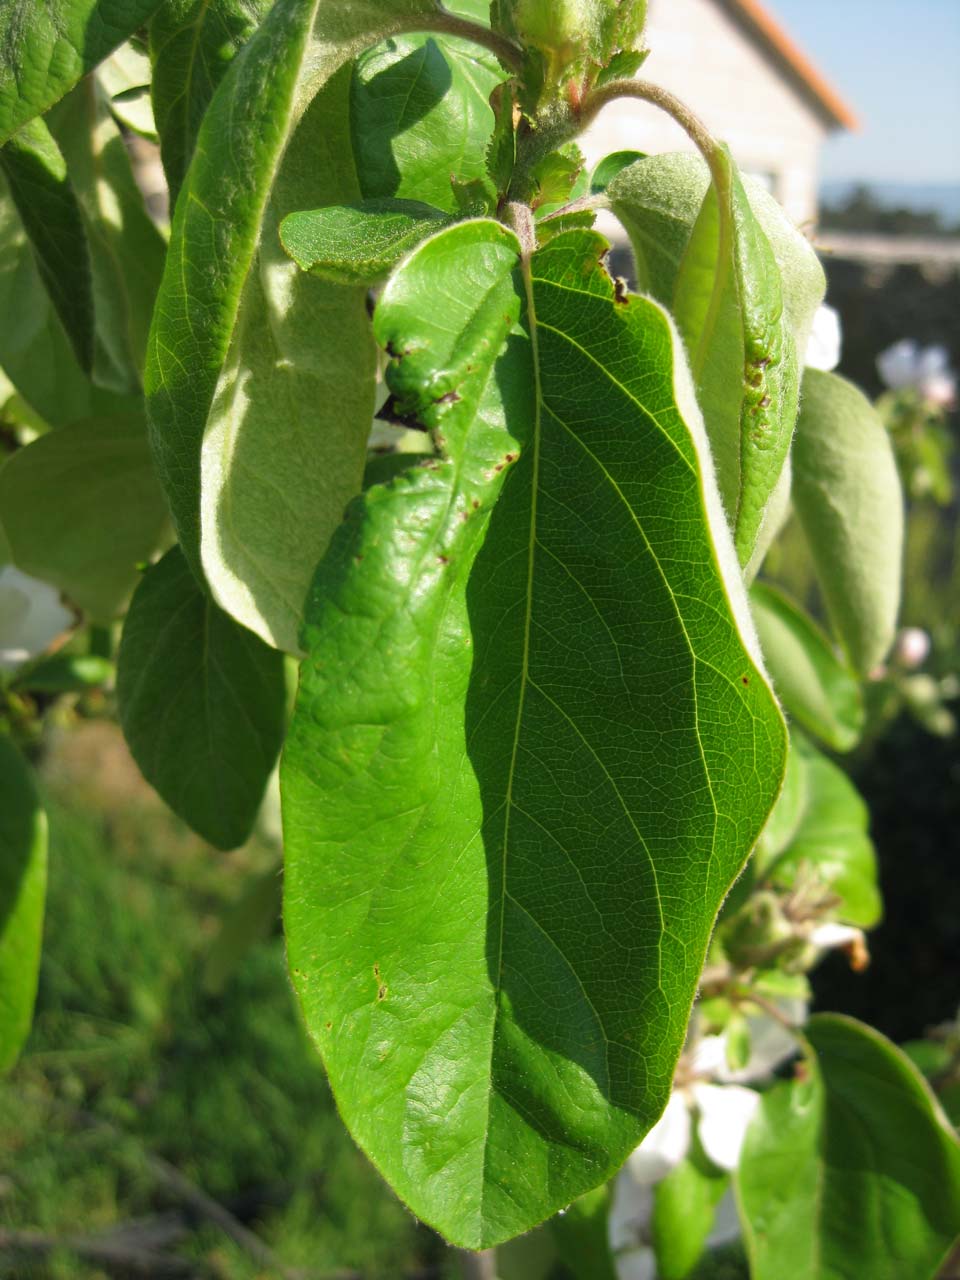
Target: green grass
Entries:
(131, 1059)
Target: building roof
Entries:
(761, 23)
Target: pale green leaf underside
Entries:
(259, 428)
(201, 703)
(531, 748)
(853, 1172)
(23, 883)
(360, 243)
(849, 501)
(817, 687)
(82, 508)
(46, 48)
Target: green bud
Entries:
(569, 32)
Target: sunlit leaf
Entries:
(532, 745)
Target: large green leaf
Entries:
(532, 746)
(848, 498)
(421, 117)
(23, 883)
(831, 840)
(261, 378)
(201, 703)
(126, 249)
(852, 1171)
(817, 688)
(46, 48)
(82, 508)
(35, 352)
(37, 179)
(360, 243)
(192, 43)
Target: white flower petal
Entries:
(638, 1264)
(725, 1112)
(31, 617)
(898, 365)
(726, 1224)
(933, 361)
(913, 647)
(939, 388)
(664, 1146)
(823, 345)
(630, 1212)
(709, 1055)
(771, 1044)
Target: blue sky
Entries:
(897, 62)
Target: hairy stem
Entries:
(448, 24)
(643, 90)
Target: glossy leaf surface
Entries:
(853, 1171)
(23, 884)
(848, 498)
(252, 414)
(201, 703)
(831, 840)
(361, 243)
(192, 43)
(41, 190)
(816, 686)
(82, 508)
(45, 49)
(532, 747)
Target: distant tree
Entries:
(863, 210)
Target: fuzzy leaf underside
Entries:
(259, 429)
(849, 501)
(23, 882)
(201, 702)
(532, 746)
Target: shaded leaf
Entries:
(201, 703)
(258, 424)
(45, 49)
(192, 43)
(23, 885)
(127, 250)
(65, 673)
(420, 116)
(82, 508)
(817, 688)
(35, 352)
(610, 166)
(831, 841)
(852, 1171)
(37, 180)
(848, 499)
(532, 747)
(361, 243)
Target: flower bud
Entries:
(571, 31)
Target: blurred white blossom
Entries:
(926, 370)
(31, 617)
(912, 648)
(823, 345)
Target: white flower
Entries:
(31, 617)
(823, 345)
(913, 647)
(925, 370)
